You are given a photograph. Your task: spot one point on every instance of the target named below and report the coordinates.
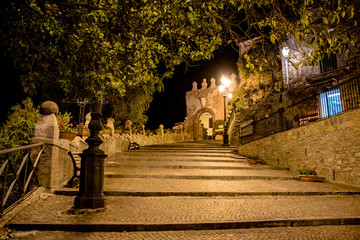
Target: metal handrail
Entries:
(20, 148)
(23, 175)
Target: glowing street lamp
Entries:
(285, 52)
(224, 88)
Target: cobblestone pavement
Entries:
(259, 195)
(177, 210)
(282, 233)
(200, 185)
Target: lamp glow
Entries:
(285, 51)
(222, 88)
(230, 95)
(225, 81)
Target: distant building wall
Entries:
(207, 99)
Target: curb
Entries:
(208, 194)
(183, 226)
(229, 178)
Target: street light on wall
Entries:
(285, 52)
(224, 88)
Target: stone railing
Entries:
(56, 167)
(117, 143)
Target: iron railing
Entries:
(334, 100)
(18, 179)
(328, 63)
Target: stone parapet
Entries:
(118, 143)
(55, 167)
(331, 144)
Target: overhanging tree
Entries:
(98, 48)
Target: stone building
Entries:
(204, 106)
(314, 121)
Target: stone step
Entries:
(209, 186)
(176, 154)
(184, 213)
(180, 164)
(181, 173)
(180, 157)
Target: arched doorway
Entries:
(206, 120)
(203, 117)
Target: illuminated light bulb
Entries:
(225, 81)
(285, 51)
(221, 88)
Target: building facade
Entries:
(205, 107)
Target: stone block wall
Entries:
(333, 145)
(55, 166)
(119, 143)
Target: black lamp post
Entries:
(92, 167)
(224, 88)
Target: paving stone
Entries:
(179, 210)
(200, 185)
(282, 233)
(233, 195)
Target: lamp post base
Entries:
(92, 169)
(226, 140)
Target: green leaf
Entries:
(325, 20)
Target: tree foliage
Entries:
(101, 48)
(324, 26)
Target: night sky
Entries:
(167, 108)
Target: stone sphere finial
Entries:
(49, 107)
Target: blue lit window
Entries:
(330, 103)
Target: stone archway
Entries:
(206, 117)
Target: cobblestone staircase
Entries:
(196, 186)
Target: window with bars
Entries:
(330, 103)
(328, 63)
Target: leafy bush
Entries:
(19, 129)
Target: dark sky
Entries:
(167, 108)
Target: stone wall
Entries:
(119, 143)
(55, 167)
(331, 144)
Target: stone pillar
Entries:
(204, 84)
(213, 82)
(128, 125)
(182, 131)
(54, 168)
(162, 132)
(194, 84)
(143, 128)
(47, 125)
(110, 123)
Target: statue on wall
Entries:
(194, 86)
(204, 84)
(213, 82)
